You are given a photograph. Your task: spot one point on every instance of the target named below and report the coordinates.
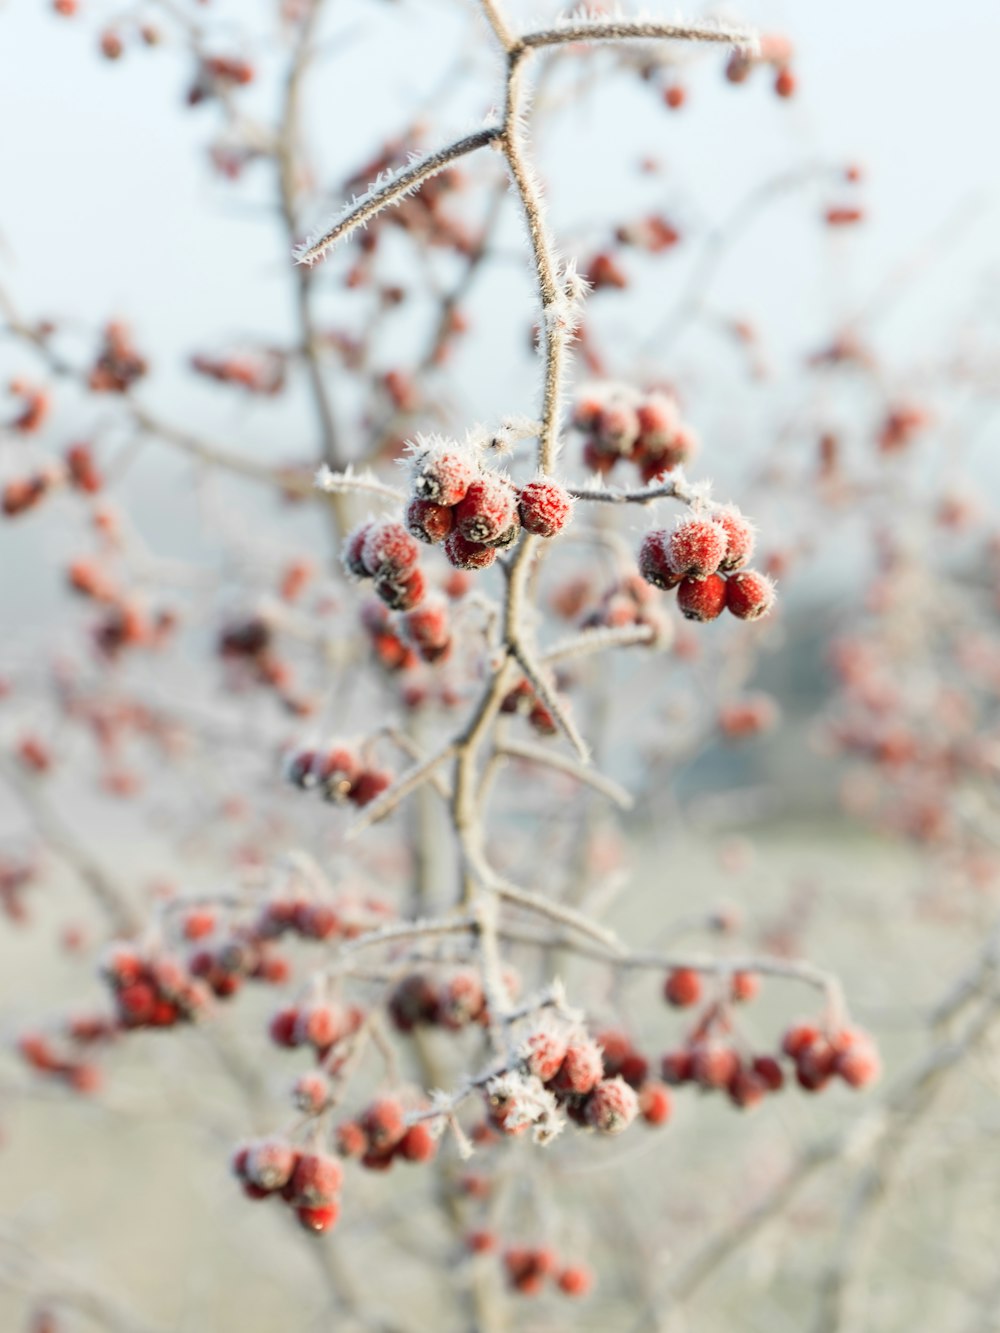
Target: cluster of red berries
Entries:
(79, 471)
(528, 1268)
(382, 550)
(476, 512)
(344, 918)
(818, 1055)
(523, 700)
(156, 992)
(34, 409)
(620, 422)
(381, 1135)
(704, 559)
(119, 365)
(260, 372)
(570, 1065)
(248, 647)
(773, 49)
(452, 1003)
(318, 1024)
(309, 1182)
(337, 772)
(71, 1069)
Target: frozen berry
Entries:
(545, 507)
(702, 599)
(749, 595)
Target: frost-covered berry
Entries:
(702, 599)
(612, 1106)
(318, 1025)
(269, 1164)
(545, 507)
(465, 554)
(617, 428)
(659, 422)
(316, 1181)
(388, 551)
(461, 1000)
(857, 1060)
(384, 1124)
(546, 1052)
(654, 561)
(443, 473)
(351, 1139)
(582, 1068)
(311, 1093)
(334, 771)
(749, 595)
(402, 592)
(740, 538)
(427, 521)
(353, 548)
(682, 988)
(428, 628)
(488, 510)
(655, 1103)
(696, 547)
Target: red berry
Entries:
(769, 1072)
(384, 1124)
(612, 1106)
(696, 547)
(315, 1181)
(581, 1069)
(427, 521)
(676, 1067)
(351, 1139)
(402, 592)
(269, 1164)
(465, 554)
(319, 1219)
(654, 561)
(418, 1144)
(749, 595)
(739, 538)
(702, 599)
(746, 1088)
(488, 509)
(712, 1065)
(675, 96)
(744, 986)
(798, 1038)
(576, 1280)
(785, 82)
(547, 1050)
(655, 1103)
(352, 554)
(544, 507)
(367, 785)
(443, 473)
(682, 988)
(388, 552)
(480, 1242)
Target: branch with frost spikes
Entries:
(389, 190)
(535, 754)
(409, 782)
(676, 488)
(599, 641)
(348, 480)
(601, 28)
(402, 930)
